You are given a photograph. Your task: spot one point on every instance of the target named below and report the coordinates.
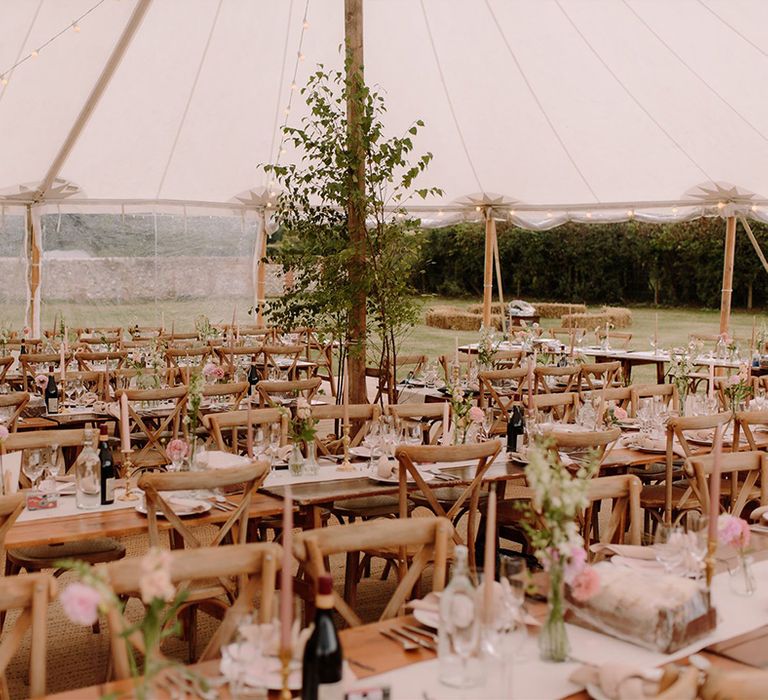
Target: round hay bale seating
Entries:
(617, 316)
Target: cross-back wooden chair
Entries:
(599, 375)
(221, 592)
(667, 498)
(33, 364)
(151, 430)
(32, 595)
(625, 522)
(360, 417)
(97, 342)
(508, 359)
(708, 340)
(88, 360)
(11, 407)
(31, 345)
(232, 393)
(182, 361)
(5, 365)
(445, 501)
(271, 392)
(562, 407)
(550, 379)
(231, 356)
(620, 396)
(256, 564)
(617, 339)
(744, 479)
(500, 389)
(229, 429)
(142, 332)
(447, 360)
(426, 539)
(281, 360)
(429, 415)
(91, 381)
(578, 444)
(320, 352)
(131, 378)
(667, 392)
(387, 376)
(753, 425)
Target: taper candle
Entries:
(489, 561)
(286, 573)
(125, 433)
(345, 393)
(714, 485)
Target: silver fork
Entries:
(407, 646)
(413, 638)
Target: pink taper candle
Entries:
(346, 392)
(286, 575)
(489, 561)
(125, 433)
(446, 420)
(62, 362)
(711, 387)
(530, 383)
(714, 486)
(249, 434)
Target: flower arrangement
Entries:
(152, 358)
(680, 370)
(734, 532)
(559, 499)
(177, 449)
(83, 600)
(41, 381)
(204, 329)
(303, 427)
(194, 401)
(737, 388)
(5, 336)
(615, 414)
(213, 373)
(488, 346)
(465, 415)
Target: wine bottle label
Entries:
(330, 691)
(53, 405)
(109, 488)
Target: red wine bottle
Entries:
(108, 475)
(321, 672)
(51, 393)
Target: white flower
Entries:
(155, 581)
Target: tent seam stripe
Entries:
(7, 74)
(280, 81)
(733, 29)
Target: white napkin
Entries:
(216, 459)
(632, 551)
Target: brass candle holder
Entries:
(709, 564)
(285, 671)
(346, 465)
(128, 479)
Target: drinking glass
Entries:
(697, 531)
(33, 467)
(464, 633)
(274, 443)
(54, 462)
(488, 421)
(413, 434)
(669, 545)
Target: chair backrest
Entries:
(624, 492)
(579, 441)
(501, 389)
(156, 484)
(598, 375)
(32, 593)
(667, 392)
(620, 396)
(42, 439)
(747, 474)
(33, 364)
(564, 407)
(6, 363)
(430, 415)
(297, 387)
(255, 564)
(12, 404)
(232, 392)
(230, 355)
(282, 358)
(153, 430)
(225, 427)
(112, 360)
(447, 360)
(615, 338)
(360, 415)
(507, 359)
(551, 379)
(745, 423)
(430, 535)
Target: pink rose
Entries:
(177, 449)
(476, 414)
(619, 413)
(155, 581)
(575, 565)
(41, 380)
(733, 531)
(81, 603)
(4, 433)
(585, 585)
(209, 371)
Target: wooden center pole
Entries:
(727, 291)
(490, 230)
(353, 39)
(34, 255)
(261, 270)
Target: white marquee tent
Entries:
(588, 110)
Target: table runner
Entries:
(67, 506)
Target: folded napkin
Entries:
(632, 551)
(646, 442)
(216, 459)
(430, 603)
(620, 681)
(186, 505)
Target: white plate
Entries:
(201, 507)
(427, 618)
(393, 479)
(360, 451)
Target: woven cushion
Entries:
(446, 495)
(655, 496)
(44, 555)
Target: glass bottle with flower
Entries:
(559, 498)
(83, 600)
(679, 372)
(213, 373)
(303, 428)
(738, 388)
(734, 532)
(192, 419)
(467, 418)
(487, 347)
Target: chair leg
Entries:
(387, 569)
(351, 577)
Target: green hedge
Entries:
(674, 264)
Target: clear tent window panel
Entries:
(13, 272)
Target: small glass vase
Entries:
(553, 637)
(296, 461)
(743, 580)
(311, 466)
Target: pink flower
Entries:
(212, 371)
(4, 433)
(303, 410)
(585, 585)
(476, 414)
(177, 449)
(733, 531)
(575, 565)
(81, 603)
(41, 380)
(155, 581)
(619, 413)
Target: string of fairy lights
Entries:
(73, 26)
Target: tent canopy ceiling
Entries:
(585, 109)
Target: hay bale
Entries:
(619, 316)
(555, 310)
(588, 321)
(496, 308)
(454, 319)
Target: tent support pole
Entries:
(754, 242)
(33, 253)
(498, 277)
(727, 290)
(93, 98)
(490, 232)
(261, 270)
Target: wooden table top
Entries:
(117, 523)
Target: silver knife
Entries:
(413, 638)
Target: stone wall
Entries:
(133, 279)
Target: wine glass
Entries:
(274, 442)
(54, 462)
(413, 434)
(697, 532)
(488, 421)
(371, 441)
(669, 544)
(33, 467)
(464, 632)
